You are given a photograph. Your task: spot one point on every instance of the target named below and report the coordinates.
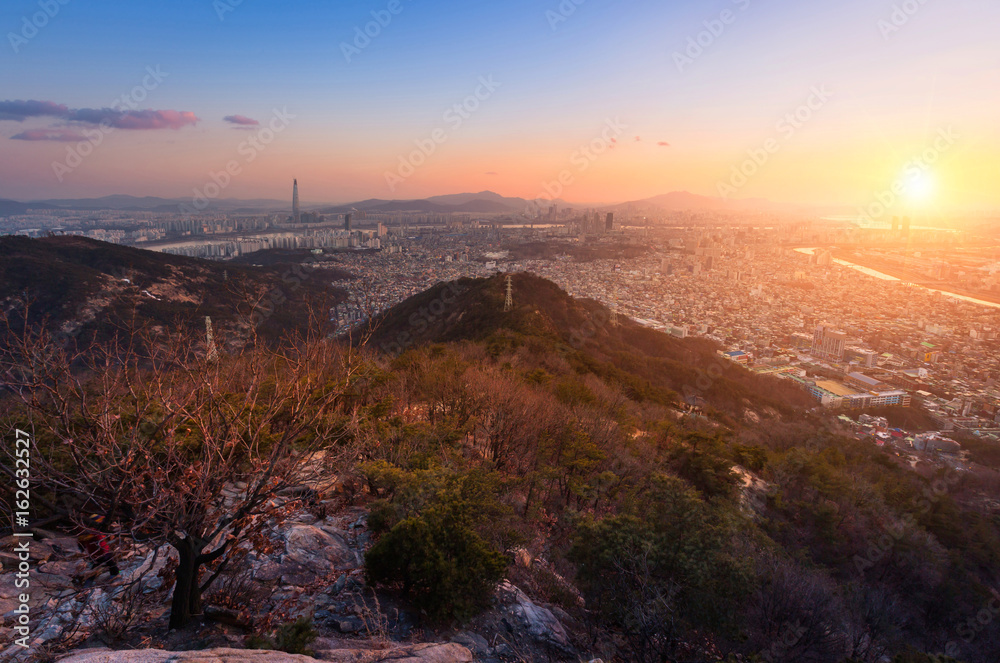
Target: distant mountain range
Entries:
(12, 207)
(136, 204)
(484, 202)
(683, 201)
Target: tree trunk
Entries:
(186, 600)
(527, 500)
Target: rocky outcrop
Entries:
(55, 561)
(309, 567)
(422, 653)
(310, 552)
(292, 578)
(540, 622)
(206, 656)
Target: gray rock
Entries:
(503, 651)
(476, 643)
(317, 551)
(221, 655)
(540, 622)
(268, 571)
(350, 625)
(324, 617)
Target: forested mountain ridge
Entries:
(797, 527)
(547, 480)
(86, 290)
(646, 363)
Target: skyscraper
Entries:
(347, 222)
(609, 223)
(295, 201)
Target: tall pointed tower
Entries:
(295, 200)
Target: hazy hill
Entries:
(87, 288)
(484, 202)
(684, 201)
(13, 208)
(156, 204)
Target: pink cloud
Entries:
(663, 144)
(139, 119)
(241, 120)
(18, 111)
(61, 134)
(638, 139)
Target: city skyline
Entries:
(825, 105)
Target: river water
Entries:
(886, 277)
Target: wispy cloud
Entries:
(62, 134)
(241, 120)
(663, 144)
(18, 111)
(137, 119)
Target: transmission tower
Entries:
(213, 352)
(508, 304)
(614, 317)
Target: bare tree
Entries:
(795, 615)
(875, 622)
(509, 418)
(175, 448)
(649, 609)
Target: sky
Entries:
(834, 103)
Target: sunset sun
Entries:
(920, 186)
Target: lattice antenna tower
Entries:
(508, 304)
(213, 351)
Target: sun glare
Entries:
(919, 186)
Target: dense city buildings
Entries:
(853, 336)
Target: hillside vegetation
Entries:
(744, 526)
(87, 291)
(666, 504)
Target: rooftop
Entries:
(835, 388)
